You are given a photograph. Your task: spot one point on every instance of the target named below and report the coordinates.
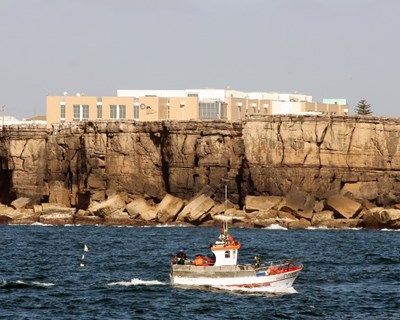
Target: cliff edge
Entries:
(307, 159)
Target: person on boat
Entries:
(222, 236)
(180, 258)
(231, 240)
(257, 261)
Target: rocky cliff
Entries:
(312, 156)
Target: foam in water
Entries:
(275, 227)
(258, 290)
(41, 224)
(171, 226)
(22, 283)
(34, 283)
(137, 282)
(43, 284)
(335, 229)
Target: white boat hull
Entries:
(234, 276)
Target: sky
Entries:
(324, 48)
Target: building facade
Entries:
(203, 104)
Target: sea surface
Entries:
(348, 274)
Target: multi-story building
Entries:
(203, 104)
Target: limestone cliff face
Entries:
(320, 155)
(73, 164)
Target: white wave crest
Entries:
(43, 284)
(171, 226)
(137, 282)
(41, 224)
(391, 230)
(336, 229)
(35, 283)
(275, 227)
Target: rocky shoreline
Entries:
(293, 171)
(295, 211)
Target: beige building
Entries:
(206, 104)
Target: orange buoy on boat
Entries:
(198, 261)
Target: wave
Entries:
(275, 227)
(265, 291)
(394, 230)
(20, 284)
(137, 282)
(41, 224)
(326, 228)
(171, 226)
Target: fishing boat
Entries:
(221, 269)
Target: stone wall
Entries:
(75, 164)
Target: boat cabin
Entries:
(225, 250)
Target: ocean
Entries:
(348, 274)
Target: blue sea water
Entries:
(348, 274)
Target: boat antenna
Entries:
(226, 196)
(226, 207)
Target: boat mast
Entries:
(226, 206)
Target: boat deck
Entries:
(192, 271)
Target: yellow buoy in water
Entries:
(85, 249)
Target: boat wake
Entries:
(137, 282)
(20, 284)
(260, 291)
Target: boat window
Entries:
(227, 254)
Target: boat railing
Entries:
(280, 263)
(283, 261)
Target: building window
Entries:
(117, 111)
(85, 112)
(113, 112)
(212, 110)
(136, 111)
(77, 109)
(81, 112)
(62, 112)
(99, 112)
(122, 112)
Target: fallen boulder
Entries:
(299, 201)
(381, 218)
(300, 224)
(54, 208)
(340, 223)
(88, 220)
(196, 209)
(58, 219)
(107, 207)
(258, 203)
(5, 219)
(318, 217)
(118, 218)
(21, 203)
(343, 206)
(168, 208)
(140, 208)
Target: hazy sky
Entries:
(324, 48)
